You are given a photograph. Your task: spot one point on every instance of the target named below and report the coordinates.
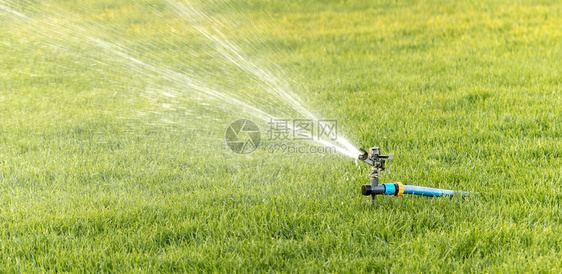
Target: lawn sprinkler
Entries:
(377, 162)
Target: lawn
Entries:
(113, 155)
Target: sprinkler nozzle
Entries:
(363, 156)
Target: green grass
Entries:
(98, 175)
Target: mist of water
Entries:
(182, 84)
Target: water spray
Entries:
(377, 163)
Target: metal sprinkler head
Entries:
(374, 157)
(377, 163)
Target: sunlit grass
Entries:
(99, 174)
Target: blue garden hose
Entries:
(398, 189)
(432, 192)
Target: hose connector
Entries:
(396, 189)
(400, 188)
